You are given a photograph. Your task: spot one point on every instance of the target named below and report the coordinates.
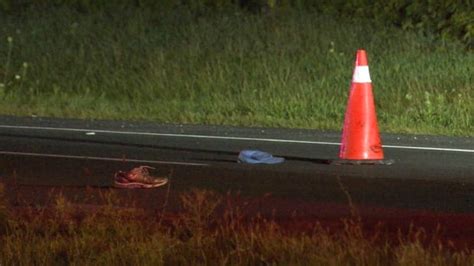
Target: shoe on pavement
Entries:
(138, 178)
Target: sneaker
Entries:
(138, 178)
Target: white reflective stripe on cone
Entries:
(361, 74)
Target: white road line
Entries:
(48, 155)
(427, 148)
(168, 134)
(225, 138)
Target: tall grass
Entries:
(235, 68)
(70, 233)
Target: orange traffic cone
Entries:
(360, 137)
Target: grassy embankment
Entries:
(290, 70)
(68, 233)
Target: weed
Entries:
(233, 68)
(4, 214)
(217, 233)
(5, 73)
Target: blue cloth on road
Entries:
(258, 157)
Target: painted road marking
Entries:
(225, 138)
(125, 160)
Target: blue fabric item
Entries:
(258, 157)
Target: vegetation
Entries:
(285, 68)
(71, 233)
(445, 19)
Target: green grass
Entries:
(233, 68)
(67, 233)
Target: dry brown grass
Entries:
(211, 230)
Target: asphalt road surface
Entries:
(429, 172)
(430, 183)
